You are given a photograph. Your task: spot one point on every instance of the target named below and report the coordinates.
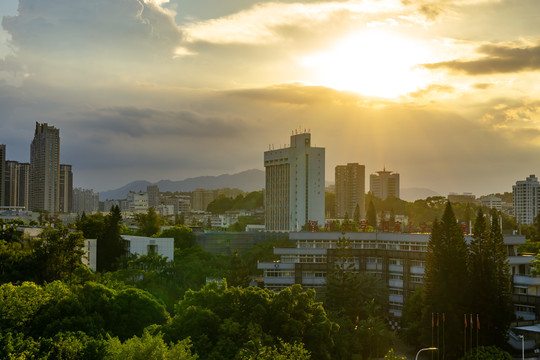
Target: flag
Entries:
(432, 320)
(443, 318)
(437, 319)
(471, 322)
(465, 315)
(477, 321)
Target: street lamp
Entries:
(522, 346)
(425, 349)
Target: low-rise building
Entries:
(398, 259)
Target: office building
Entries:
(24, 185)
(45, 168)
(65, 198)
(350, 190)
(294, 194)
(384, 184)
(16, 185)
(2, 173)
(467, 198)
(492, 202)
(526, 197)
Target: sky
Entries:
(446, 93)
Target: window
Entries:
(151, 249)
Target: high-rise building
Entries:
(526, 199)
(2, 173)
(85, 200)
(294, 194)
(384, 184)
(11, 184)
(65, 198)
(350, 190)
(153, 196)
(45, 168)
(24, 187)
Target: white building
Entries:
(526, 198)
(492, 202)
(384, 184)
(398, 259)
(137, 202)
(294, 185)
(139, 245)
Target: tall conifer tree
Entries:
(446, 280)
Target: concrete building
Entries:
(398, 259)
(139, 245)
(24, 185)
(137, 202)
(492, 202)
(200, 199)
(45, 168)
(2, 173)
(526, 200)
(153, 196)
(384, 184)
(350, 190)
(65, 198)
(85, 200)
(294, 194)
(16, 185)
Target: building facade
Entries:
(397, 259)
(85, 200)
(65, 190)
(2, 173)
(350, 190)
(526, 197)
(153, 196)
(45, 168)
(384, 184)
(294, 192)
(16, 185)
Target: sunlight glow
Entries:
(372, 63)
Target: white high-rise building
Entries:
(384, 184)
(350, 189)
(526, 199)
(294, 194)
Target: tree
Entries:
(183, 236)
(445, 281)
(487, 353)
(110, 245)
(58, 253)
(330, 205)
(149, 223)
(371, 214)
(356, 215)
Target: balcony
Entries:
(526, 280)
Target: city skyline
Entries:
(444, 93)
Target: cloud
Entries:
(144, 123)
(433, 88)
(497, 59)
(482, 86)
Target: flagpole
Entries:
(477, 329)
(471, 322)
(438, 343)
(465, 336)
(443, 342)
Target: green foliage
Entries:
(149, 223)
(371, 214)
(243, 221)
(222, 321)
(91, 226)
(285, 351)
(57, 253)
(487, 353)
(148, 347)
(253, 200)
(43, 311)
(183, 236)
(411, 319)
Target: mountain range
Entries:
(249, 180)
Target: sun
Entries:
(372, 62)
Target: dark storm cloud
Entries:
(497, 59)
(141, 123)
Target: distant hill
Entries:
(413, 194)
(249, 180)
